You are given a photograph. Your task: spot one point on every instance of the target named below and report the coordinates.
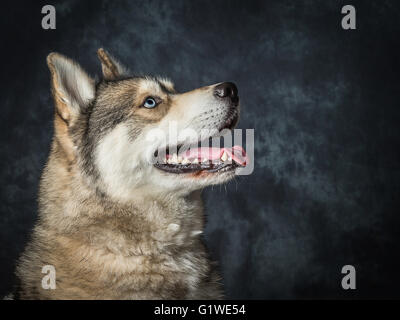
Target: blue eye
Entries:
(150, 103)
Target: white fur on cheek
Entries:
(118, 161)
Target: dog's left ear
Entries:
(112, 69)
(73, 91)
(72, 88)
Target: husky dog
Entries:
(114, 223)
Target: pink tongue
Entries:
(237, 153)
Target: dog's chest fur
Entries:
(104, 250)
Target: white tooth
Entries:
(224, 156)
(205, 160)
(174, 158)
(195, 161)
(169, 161)
(229, 159)
(179, 159)
(185, 161)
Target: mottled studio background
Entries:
(324, 103)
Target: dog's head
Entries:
(136, 135)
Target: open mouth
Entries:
(198, 158)
(209, 159)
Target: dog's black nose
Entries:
(227, 90)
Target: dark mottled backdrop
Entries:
(324, 104)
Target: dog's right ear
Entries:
(112, 69)
(72, 88)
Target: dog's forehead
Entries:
(167, 83)
(157, 85)
(149, 85)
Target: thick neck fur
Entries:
(103, 249)
(70, 206)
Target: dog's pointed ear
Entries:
(112, 69)
(72, 88)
